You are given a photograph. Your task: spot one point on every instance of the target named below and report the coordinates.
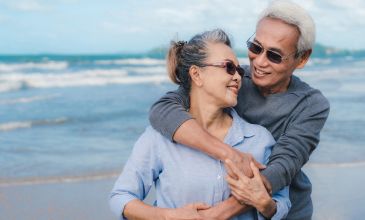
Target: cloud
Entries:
(29, 6)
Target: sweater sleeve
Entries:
(295, 145)
(170, 112)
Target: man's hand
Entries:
(188, 212)
(242, 161)
(267, 184)
(251, 191)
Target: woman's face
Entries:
(220, 87)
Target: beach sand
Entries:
(337, 194)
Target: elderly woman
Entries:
(189, 183)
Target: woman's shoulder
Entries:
(152, 135)
(255, 131)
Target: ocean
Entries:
(66, 118)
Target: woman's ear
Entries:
(195, 75)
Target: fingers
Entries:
(230, 172)
(200, 206)
(255, 170)
(234, 169)
(237, 197)
(266, 184)
(232, 181)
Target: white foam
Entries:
(49, 65)
(15, 125)
(59, 179)
(10, 126)
(98, 77)
(149, 70)
(143, 61)
(27, 99)
(339, 165)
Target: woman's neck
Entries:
(210, 116)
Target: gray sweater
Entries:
(295, 119)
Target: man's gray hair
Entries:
(293, 14)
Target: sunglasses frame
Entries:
(269, 53)
(224, 64)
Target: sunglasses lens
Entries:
(231, 68)
(254, 48)
(240, 71)
(273, 57)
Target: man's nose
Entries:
(261, 59)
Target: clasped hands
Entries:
(247, 186)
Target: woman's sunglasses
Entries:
(230, 67)
(273, 56)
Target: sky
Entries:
(125, 26)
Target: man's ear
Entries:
(304, 59)
(195, 75)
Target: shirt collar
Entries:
(239, 130)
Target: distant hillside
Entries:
(319, 51)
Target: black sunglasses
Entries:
(230, 67)
(271, 55)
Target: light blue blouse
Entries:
(183, 175)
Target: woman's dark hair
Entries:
(182, 55)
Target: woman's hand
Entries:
(188, 212)
(242, 162)
(251, 191)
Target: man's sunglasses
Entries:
(230, 67)
(271, 55)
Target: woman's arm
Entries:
(140, 171)
(225, 210)
(137, 210)
(139, 174)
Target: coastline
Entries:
(337, 194)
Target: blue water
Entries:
(79, 116)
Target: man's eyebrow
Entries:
(270, 48)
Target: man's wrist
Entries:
(224, 152)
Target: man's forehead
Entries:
(276, 34)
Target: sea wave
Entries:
(18, 81)
(148, 70)
(27, 99)
(143, 61)
(337, 165)
(58, 179)
(49, 65)
(10, 126)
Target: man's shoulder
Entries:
(312, 95)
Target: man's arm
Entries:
(294, 147)
(170, 117)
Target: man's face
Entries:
(275, 35)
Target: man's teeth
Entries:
(260, 72)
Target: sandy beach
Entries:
(337, 194)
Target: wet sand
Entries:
(337, 194)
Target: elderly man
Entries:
(270, 96)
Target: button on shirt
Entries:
(183, 175)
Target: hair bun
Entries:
(180, 44)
